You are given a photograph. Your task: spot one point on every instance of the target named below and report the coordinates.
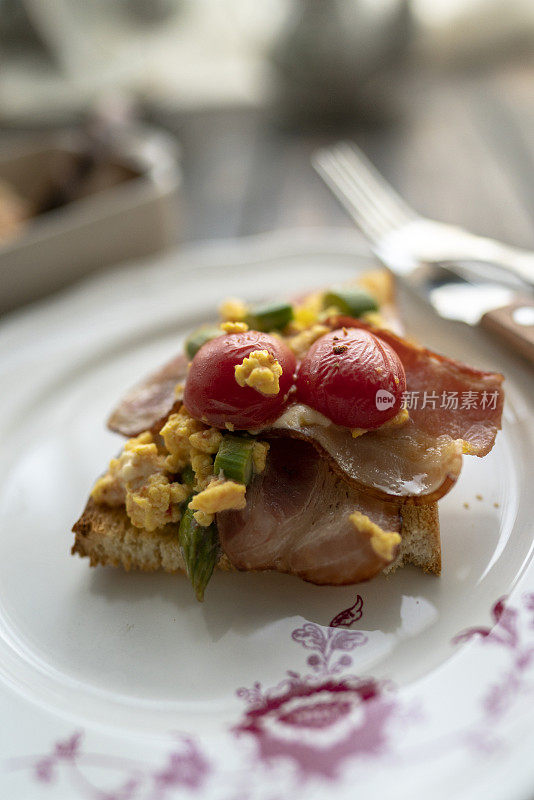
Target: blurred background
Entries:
(130, 126)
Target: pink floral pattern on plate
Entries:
(317, 723)
(185, 768)
(320, 720)
(506, 634)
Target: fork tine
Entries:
(375, 205)
(375, 188)
(379, 211)
(377, 185)
(371, 223)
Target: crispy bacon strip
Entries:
(297, 520)
(406, 464)
(147, 405)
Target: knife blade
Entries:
(495, 305)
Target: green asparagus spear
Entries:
(200, 549)
(188, 475)
(270, 316)
(194, 342)
(353, 301)
(234, 458)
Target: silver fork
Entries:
(397, 233)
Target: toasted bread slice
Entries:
(107, 537)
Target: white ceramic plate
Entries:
(121, 686)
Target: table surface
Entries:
(460, 148)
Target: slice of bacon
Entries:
(149, 403)
(405, 464)
(297, 521)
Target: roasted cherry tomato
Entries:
(352, 377)
(212, 393)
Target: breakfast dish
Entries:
(273, 686)
(306, 437)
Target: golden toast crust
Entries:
(106, 536)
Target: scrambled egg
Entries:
(382, 542)
(156, 503)
(375, 319)
(109, 489)
(310, 312)
(233, 309)
(401, 418)
(202, 465)
(261, 371)
(306, 313)
(219, 495)
(139, 459)
(259, 456)
(379, 284)
(207, 441)
(136, 480)
(204, 519)
(139, 478)
(189, 441)
(234, 327)
(176, 432)
(301, 343)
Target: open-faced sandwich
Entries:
(307, 437)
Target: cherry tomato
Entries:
(352, 377)
(213, 394)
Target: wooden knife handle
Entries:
(515, 325)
